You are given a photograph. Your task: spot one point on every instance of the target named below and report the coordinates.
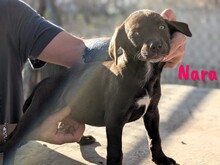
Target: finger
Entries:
(71, 137)
(170, 65)
(169, 15)
(177, 43)
(177, 54)
(65, 138)
(173, 63)
(177, 39)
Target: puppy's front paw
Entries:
(165, 161)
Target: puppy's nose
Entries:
(155, 46)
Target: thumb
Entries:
(169, 15)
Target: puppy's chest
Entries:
(142, 101)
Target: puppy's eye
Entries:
(161, 27)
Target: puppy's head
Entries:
(145, 36)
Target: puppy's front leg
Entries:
(114, 140)
(151, 122)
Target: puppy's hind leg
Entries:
(37, 110)
(20, 137)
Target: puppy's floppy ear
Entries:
(179, 26)
(116, 42)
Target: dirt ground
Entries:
(190, 131)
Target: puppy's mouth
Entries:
(151, 58)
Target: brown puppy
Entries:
(110, 93)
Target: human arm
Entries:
(65, 49)
(49, 131)
(75, 50)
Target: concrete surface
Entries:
(190, 131)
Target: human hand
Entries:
(48, 130)
(178, 42)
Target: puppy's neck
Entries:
(135, 68)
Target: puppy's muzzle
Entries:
(153, 51)
(155, 47)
